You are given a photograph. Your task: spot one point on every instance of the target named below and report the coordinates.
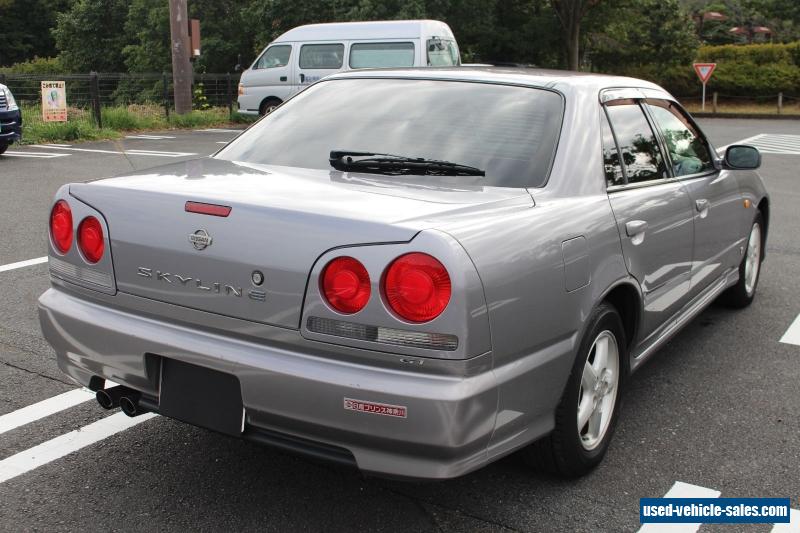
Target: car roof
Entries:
(381, 29)
(533, 77)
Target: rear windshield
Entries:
(510, 132)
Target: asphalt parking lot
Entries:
(716, 413)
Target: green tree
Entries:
(147, 23)
(26, 29)
(643, 38)
(571, 14)
(90, 36)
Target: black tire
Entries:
(739, 296)
(563, 452)
(3, 148)
(268, 105)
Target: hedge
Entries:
(755, 70)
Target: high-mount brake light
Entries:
(345, 285)
(90, 239)
(208, 209)
(417, 287)
(61, 226)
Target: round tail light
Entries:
(61, 226)
(90, 239)
(417, 287)
(345, 285)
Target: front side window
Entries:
(275, 56)
(688, 150)
(509, 132)
(379, 55)
(611, 163)
(442, 53)
(641, 155)
(322, 56)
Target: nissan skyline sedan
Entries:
(415, 272)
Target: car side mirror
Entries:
(742, 157)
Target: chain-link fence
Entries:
(122, 101)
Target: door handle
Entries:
(283, 78)
(635, 227)
(701, 204)
(635, 230)
(302, 78)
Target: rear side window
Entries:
(641, 154)
(688, 149)
(322, 56)
(275, 56)
(375, 55)
(442, 53)
(611, 163)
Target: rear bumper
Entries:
(10, 126)
(292, 399)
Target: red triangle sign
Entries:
(704, 70)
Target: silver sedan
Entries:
(415, 272)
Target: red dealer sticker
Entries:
(385, 409)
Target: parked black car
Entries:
(10, 119)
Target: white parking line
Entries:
(792, 335)
(40, 155)
(721, 149)
(158, 153)
(66, 444)
(681, 490)
(771, 143)
(124, 152)
(218, 130)
(20, 264)
(47, 407)
(150, 137)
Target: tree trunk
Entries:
(573, 46)
(181, 67)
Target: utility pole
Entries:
(181, 67)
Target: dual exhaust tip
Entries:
(122, 397)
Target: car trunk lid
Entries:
(281, 220)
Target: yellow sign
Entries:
(54, 101)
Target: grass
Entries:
(744, 108)
(116, 120)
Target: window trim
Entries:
(354, 43)
(267, 49)
(334, 43)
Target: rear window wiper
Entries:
(377, 163)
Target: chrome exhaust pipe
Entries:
(109, 398)
(130, 404)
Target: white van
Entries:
(305, 54)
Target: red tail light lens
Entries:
(345, 285)
(417, 287)
(90, 239)
(61, 226)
